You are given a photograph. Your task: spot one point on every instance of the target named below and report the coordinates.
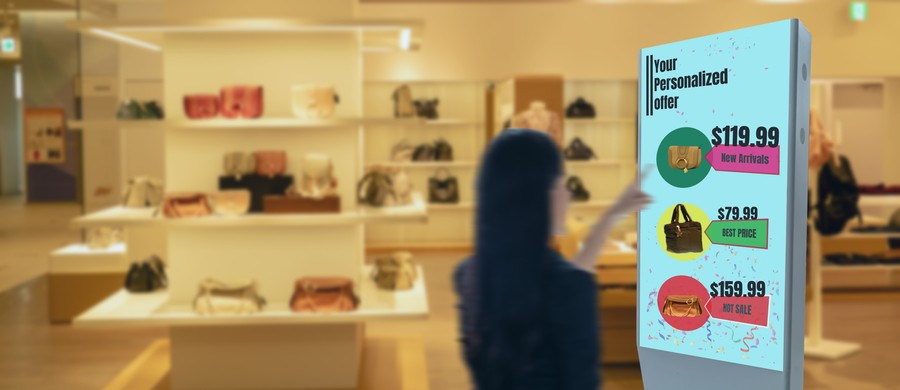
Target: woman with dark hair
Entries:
(528, 316)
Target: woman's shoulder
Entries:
(568, 276)
(460, 272)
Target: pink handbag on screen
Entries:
(271, 162)
(201, 106)
(242, 101)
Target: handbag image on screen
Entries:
(682, 306)
(683, 237)
(443, 187)
(684, 157)
(215, 298)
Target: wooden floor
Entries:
(36, 355)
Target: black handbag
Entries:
(424, 152)
(578, 151)
(580, 108)
(838, 197)
(443, 187)
(443, 151)
(146, 276)
(683, 237)
(374, 189)
(576, 187)
(426, 108)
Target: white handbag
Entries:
(402, 188)
(238, 164)
(218, 298)
(318, 177)
(402, 152)
(103, 237)
(311, 101)
(144, 191)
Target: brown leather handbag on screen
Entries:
(682, 306)
(684, 157)
(185, 204)
(683, 237)
(324, 295)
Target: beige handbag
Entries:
(238, 164)
(402, 151)
(402, 188)
(186, 205)
(313, 101)
(318, 177)
(144, 191)
(218, 298)
(103, 237)
(395, 272)
(230, 202)
(684, 157)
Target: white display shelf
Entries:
(124, 216)
(124, 308)
(414, 122)
(377, 34)
(879, 201)
(253, 124)
(424, 164)
(600, 120)
(451, 206)
(81, 259)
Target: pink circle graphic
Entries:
(684, 286)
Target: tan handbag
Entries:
(103, 237)
(684, 157)
(394, 272)
(682, 306)
(186, 204)
(216, 298)
(318, 177)
(230, 202)
(238, 164)
(324, 295)
(310, 101)
(271, 162)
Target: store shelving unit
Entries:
(462, 124)
(275, 348)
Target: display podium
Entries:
(276, 348)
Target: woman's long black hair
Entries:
(509, 269)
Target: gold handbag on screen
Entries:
(682, 306)
(684, 157)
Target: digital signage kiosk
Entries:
(724, 122)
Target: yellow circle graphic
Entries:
(697, 215)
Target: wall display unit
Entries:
(721, 265)
(221, 250)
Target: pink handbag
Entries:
(201, 106)
(242, 101)
(271, 162)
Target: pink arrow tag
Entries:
(746, 310)
(745, 159)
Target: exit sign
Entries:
(859, 11)
(8, 45)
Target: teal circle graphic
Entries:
(685, 136)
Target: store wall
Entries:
(598, 40)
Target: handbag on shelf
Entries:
(297, 204)
(103, 237)
(403, 102)
(153, 110)
(201, 106)
(684, 157)
(578, 151)
(402, 188)
(238, 164)
(580, 108)
(423, 152)
(230, 202)
(443, 187)
(270, 162)
(402, 151)
(241, 101)
(576, 187)
(426, 108)
(837, 196)
(376, 189)
(218, 298)
(682, 306)
(394, 272)
(314, 101)
(318, 179)
(144, 191)
(259, 186)
(146, 276)
(683, 237)
(185, 205)
(443, 151)
(324, 295)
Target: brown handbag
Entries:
(684, 157)
(683, 237)
(324, 295)
(291, 203)
(185, 204)
(682, 306)
(270, 162)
